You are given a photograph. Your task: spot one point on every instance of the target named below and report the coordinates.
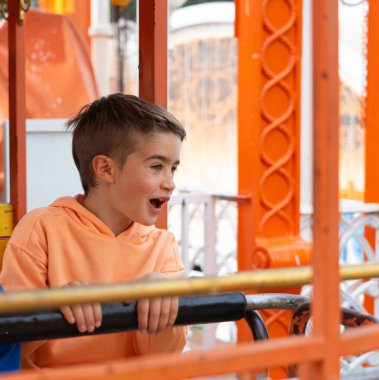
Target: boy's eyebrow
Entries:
(162, 158)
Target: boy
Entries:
(126, 151)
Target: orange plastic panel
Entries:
(52, 47)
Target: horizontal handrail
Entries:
(119, 317)
(13, 302)
(42, 325)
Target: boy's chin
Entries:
(146, 222)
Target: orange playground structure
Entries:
(272, 256)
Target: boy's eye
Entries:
(173, 169)
(157, 167)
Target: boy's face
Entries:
(145, 182)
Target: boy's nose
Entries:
(168, 183)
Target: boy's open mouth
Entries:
(157, 202)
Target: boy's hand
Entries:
(87, 317)
(155, 315)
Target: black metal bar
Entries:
(349, 318)
(119, 317)
(257, 325)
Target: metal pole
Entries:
(325, 186)
(260, 279)
(17, 134)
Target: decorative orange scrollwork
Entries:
(278, 105)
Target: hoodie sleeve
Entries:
(22, 271)
(25, 257)
(25, 267)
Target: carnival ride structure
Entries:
(269, 35)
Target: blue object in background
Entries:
(10, 356)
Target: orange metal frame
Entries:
(269, 71)
(153, 60)
(17, 134)
(372, 110)
(318, 355)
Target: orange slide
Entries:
(59, 74)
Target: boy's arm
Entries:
(22, 271)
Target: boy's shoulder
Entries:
(34, 220)
(39, 213)
(56, 208)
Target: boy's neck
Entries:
(98, 207)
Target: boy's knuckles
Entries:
(143, 308)
(165, 313)
(154, 313)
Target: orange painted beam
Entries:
(233, 359)
(153, 60)
(372, 110)
(269, 80)
(269, 49)
(359, 340)
(153, 51)
(371, 122)
(249, 123)
(325, 185)
(17, 133)
(269, 56)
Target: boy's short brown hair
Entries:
(110, 126)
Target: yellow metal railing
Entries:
(253, 280)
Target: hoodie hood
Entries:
(73, 206)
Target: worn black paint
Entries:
(119, 317)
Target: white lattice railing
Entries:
(206, 228)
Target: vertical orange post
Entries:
(17, 134)
(326, 302)
(153, 59)
(371, 122)
(153, 51)
(269, 75)
(372, 110)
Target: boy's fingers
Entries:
(98, 314)
(89, 317)
(164, 314)
(79, 318)
(67, 314)
(174, 308)
(154, 315)
(143, 314)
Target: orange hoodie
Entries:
(64, 242)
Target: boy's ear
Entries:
(103, 166)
